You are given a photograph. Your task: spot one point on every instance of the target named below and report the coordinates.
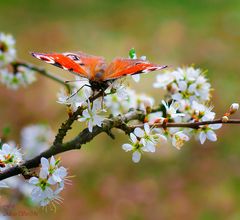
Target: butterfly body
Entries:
(95, 68)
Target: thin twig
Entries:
(44, 73)
(193, 125)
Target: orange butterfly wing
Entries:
(121, 67)
(79, 63)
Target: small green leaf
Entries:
(132, 53)
(6, 131)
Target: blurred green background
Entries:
(198, 182)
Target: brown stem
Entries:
(86, 136)
(43, 72)
(82, 138)
(66, 126)
(193, 125)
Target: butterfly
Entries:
(95, 68)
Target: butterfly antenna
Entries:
(78, 91)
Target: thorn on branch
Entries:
(27, 174)
(110, 134)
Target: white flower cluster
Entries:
(16, 79)
(124, 99)
(50, 182)
(118, 101)
(185, 84)
(143, 140)
(80, 93)
(80, 98)
(10, 156)
(11, 75)
(187, 94)
(43, 189)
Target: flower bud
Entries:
(225, 119)
(233, 108)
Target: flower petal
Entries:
(139, 132)
(147, 128)
(211, 135)
(215, 126)
(127, 147)
(202, 137)
(133, 138)
(33, 180)
(136, 156)
(44, 162)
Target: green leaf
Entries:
(132, 53)
(6, 131)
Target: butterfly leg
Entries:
(102, 99)
(72, 81)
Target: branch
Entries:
(85, 136)
(193, 125)
(82, 138)
(66, 126)
(43, 72)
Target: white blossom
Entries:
(201, 112)
(14, 80)
(49, 183)
(145, 102)
(134, 146)
(207, 132)
(178, 139)
(80, 93)
(171, 110)
(148, 138)
(91, 115)
(163, 80)
(9, 156)
(57, 173)
(117, 87)
(121, 102)
(7, 49)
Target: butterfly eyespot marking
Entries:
(73, 57)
